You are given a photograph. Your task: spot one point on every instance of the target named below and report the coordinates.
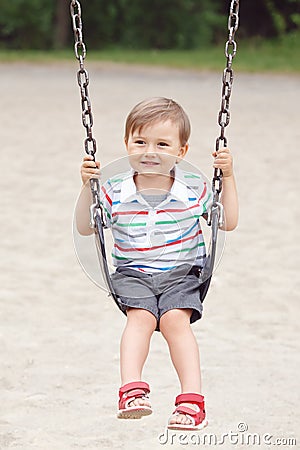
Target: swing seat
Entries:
(216, 219)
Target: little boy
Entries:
(154, 213)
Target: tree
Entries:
(183, 24)
(26, 23)
(61, 24)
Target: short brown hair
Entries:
(158, 109)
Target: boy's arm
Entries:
(229, 197)
(82, 212)
(229, 200)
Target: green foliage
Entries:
(278, 19)
(169, 24)
(25, 24)
(295, 18)
(140, 24)
(283, 15)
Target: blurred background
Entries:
(123, 29)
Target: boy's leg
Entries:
(134, 348)
(175, 327)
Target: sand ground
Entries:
(59, 333)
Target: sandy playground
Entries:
(59, 333)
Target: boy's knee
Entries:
(175, 319)
(142, 318)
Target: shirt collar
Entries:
(128, 188)
(179, 189)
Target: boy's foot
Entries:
(189, 413)
(139, 402)
(134, 400)
(181, 418)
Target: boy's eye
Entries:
(163, 144)
(139, 141)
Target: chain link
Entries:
(90, 144)
(227, 82)
(83, 78)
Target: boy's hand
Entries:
(89, 169)
(223, 161)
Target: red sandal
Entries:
(197, 417)
(128, 393)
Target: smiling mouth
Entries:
(149, 163)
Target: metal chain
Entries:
(227, 82)
(83, 78)
(90, 144)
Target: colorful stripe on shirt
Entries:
(161, 238)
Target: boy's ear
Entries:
(125, 140)
(183, 150)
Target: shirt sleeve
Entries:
(106, 198)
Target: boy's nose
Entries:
(150, 150)
(150, 155)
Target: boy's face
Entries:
(155, 149)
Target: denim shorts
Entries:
(159, 292)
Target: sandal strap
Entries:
(196, 417)
(190, 397)
(185, 410)
(134, 389)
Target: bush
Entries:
(26, 24)
(139, 24)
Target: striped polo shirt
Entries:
(156, 239)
